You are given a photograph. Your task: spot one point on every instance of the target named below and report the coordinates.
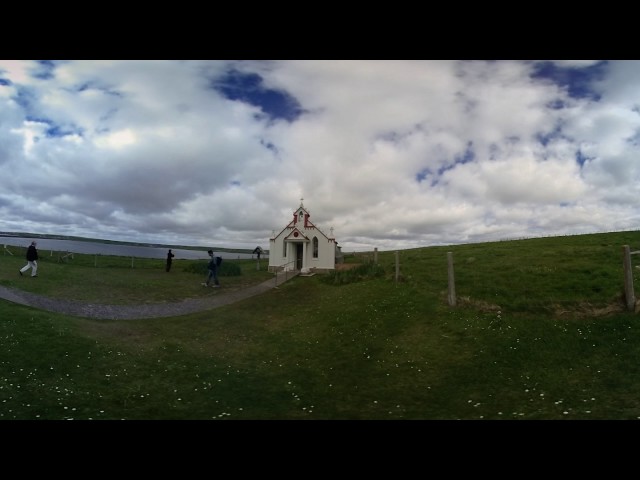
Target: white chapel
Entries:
(302, 246)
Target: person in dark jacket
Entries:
(32, 261)
(169, 257)
(213, 271)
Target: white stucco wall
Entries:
(326, 247)
(326, 251)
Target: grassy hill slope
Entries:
(539, 332)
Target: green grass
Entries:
(113, 280)
(538, 333)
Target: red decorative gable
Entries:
(296, 236)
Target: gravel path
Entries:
(130, 312)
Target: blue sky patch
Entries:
(634, 139)
(422, 175)
(581, 158)
(269, 146)
(94, 86)
(23, 97)
(556, 104)
(444, 168)
(45, 69)
(31, 118)
(53, 130)
(57, 131)
(425, 174)
(249, 88)
(467, 156)
(578, 81)
(545, 137)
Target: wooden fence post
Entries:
(452, 282)
(397, 266)
(629, 294)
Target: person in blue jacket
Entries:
(213, 271)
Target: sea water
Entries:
(98, 248)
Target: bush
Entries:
(356, 274)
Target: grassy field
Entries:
(121, 280)
(539, 332)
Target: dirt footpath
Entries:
(131, 312)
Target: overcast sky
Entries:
(391, 154)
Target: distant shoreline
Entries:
(118, 242)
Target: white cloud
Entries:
(392, 154)
(116, 140)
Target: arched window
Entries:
(315, 247)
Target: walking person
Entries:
(169, 257)
(213, 271)
(32, 261)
